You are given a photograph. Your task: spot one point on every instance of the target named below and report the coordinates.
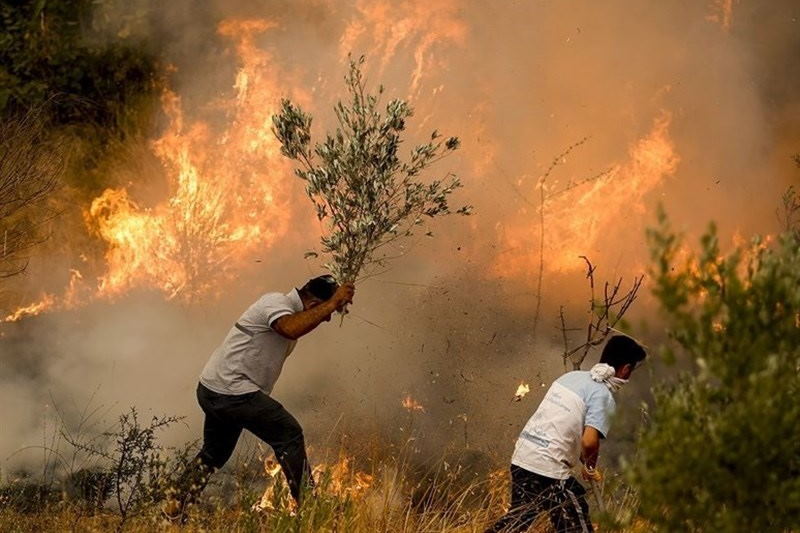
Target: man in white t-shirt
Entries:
(565, 431)
(236, 383)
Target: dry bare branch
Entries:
(604, 314)
(31, 164)
(543, 197)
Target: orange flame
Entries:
(411, 404)
(33, 309)
(579, 219)
(71, 298)
(721, 12)
(228, 187)
(522, 390)
(389, 26)
(338, 479)
(226, 195)
(272, 467)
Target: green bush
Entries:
(53, 51)
(721, 449)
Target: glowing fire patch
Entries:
(721, 12)
(272, 467)
(337, 479)
(385, 27)
(522, 390)
(226, 195)
(579, 220)
(227, 185)
(412, 405)
(31, 310)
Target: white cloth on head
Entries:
(603, 373)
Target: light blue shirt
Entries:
(550, 443)
(596, 397)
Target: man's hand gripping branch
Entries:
(296, 325)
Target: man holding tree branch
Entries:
(565, 432)
(235, 386)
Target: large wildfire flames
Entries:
(229, 188)
(216, 197)
(228, 195)
(579, 217)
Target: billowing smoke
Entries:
(690, 104)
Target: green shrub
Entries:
(52, 52)
(721, 449)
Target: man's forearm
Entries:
(590, 446)
(298, 324)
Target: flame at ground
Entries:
(341, 479)
(411, 404)
(338, 479)
(72, 297)
(522, 390)
(272, 467)
(31, 310)
(579, 218)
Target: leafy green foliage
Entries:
(47, 53)
(721, 452)
(368, 196)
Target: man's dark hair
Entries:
(621, 350)
(321, 287)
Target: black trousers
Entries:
(226, 417)
(532, 494)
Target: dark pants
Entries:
(532, 494)
(226, 417)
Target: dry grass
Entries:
(347, 500)
(365, 486)
(389, 504)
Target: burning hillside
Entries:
(573, 125)
(228, 195)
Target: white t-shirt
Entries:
(252, 355)
(550, 443)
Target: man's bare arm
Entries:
(296, 325)
(590, 446)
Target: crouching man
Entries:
(235, 386)
(566, 429)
